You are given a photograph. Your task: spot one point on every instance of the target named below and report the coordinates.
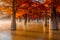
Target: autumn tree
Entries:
(15, 5)
(52, 5)
(54, 14)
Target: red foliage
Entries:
(36, 9)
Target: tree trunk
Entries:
(54, 18)
(25, 19)
(13, 24)
(50, 24)
(44, 23)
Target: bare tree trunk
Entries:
(13, 24)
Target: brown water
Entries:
(29, 35)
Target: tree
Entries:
(54, 14)
(52, 4)
(15, 6)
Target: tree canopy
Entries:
(33, 9)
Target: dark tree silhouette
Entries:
(15, 6)
(54, 14)
(54, 18)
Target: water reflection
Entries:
(29, 35)
(33, 32)
(4, 35)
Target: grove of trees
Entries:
(28, 9)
